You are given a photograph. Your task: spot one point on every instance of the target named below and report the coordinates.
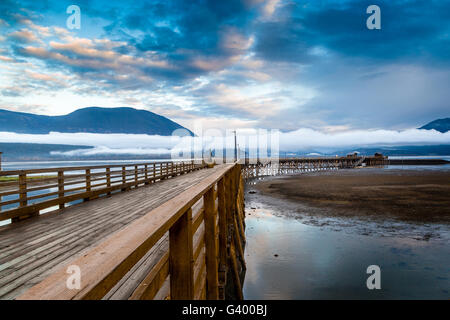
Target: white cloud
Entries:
(308, 138)
(301, 139)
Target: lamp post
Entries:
(235, 146)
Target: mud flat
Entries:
(404, 195)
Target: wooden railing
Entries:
(205, 229)
(24, 193)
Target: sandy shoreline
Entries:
(404, 195)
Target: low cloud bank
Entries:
(310, 139)
(302, 139)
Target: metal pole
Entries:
(235, 146)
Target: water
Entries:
(420, 157)
(318, 263)
(421, 167)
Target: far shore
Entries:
(406, 195)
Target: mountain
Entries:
(91, 120)
(441, 125)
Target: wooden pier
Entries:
(181, 238)
(284, 166)
(165, 230)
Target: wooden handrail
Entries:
(190, 277)
(26, 197)
(50, 170)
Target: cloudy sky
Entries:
(273, 64)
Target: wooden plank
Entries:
(238, 244)
(164, 292)
(200, 294)
(212, 279)
(154, 281)
(235, 272)
(198, 219)
(199, 241)
(239, 219)
(222, 226)
(124, 289)
(181, 258)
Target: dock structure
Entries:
(268, 167)
(164, 230)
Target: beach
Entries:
(404, 195)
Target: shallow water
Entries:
(317, 262)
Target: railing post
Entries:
(212, 277)
(23, 190)
(108, 180)
(181, 261)
(124, 177)
(146, 174)
(228, 199)
(88, 182)
(23, 201)
(136, 176)
(61, 187)
(154, 171)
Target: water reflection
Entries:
(318, 263)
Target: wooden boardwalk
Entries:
(31, 250)
(169, 230)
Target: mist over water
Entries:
(301, 139)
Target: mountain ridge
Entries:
(90, 120)
(441, 125)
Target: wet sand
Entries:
(403, 195)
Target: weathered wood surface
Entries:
(31, 250)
